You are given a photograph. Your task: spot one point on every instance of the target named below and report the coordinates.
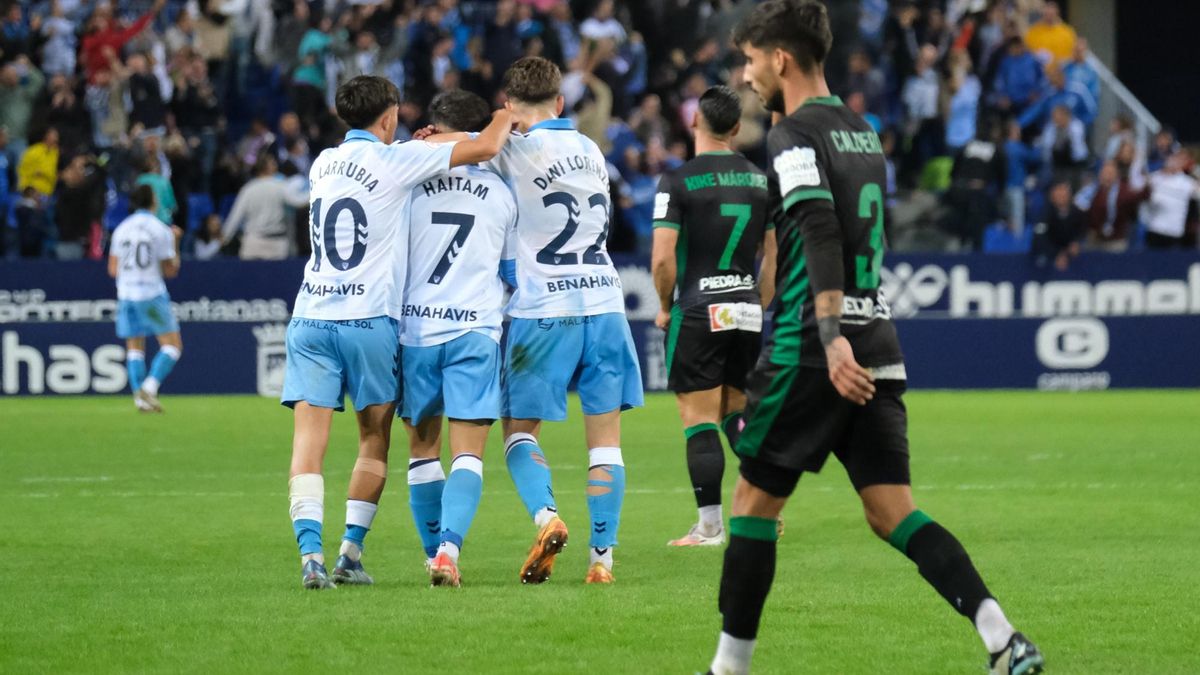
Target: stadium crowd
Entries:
(986, 108)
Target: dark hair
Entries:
(532, 79)
(721, 108)
(142, 197)
(458, 110)
(799, 27)
(364, 98)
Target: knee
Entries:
(879, 522)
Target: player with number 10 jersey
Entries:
(343, 337)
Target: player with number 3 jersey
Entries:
(343, 336)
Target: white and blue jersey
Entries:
(560, 179)
(453, 300)
(141, 243)
(568, 309)
(344, 333)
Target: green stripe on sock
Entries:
(698, 429)
(753, 527)
(907, 528)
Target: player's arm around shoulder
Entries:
(487, 144)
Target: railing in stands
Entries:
(1116, 98)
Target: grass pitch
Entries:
(162, 543)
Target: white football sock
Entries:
(992, 625)
(601, 555)
(351, 550)
(733, 656)
(450, 549)
(544, 516)
(150, 385)
(710, 519)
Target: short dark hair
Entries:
(799, 27)
(364, 98)
(459, 110)
(142, 197)
(532, 79)
(721, 108)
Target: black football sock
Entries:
(732, 425)
(747, 575)
(706, 463)
(942, 561)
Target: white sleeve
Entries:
(166, 244)
(417, 161)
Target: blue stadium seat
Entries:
(117, 211)
(999, 239)
(225, 206)
(200, 206)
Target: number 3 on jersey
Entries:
(327, 235)
(870, 205)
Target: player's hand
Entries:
(851, 380)
(663, 319)
(426, 132)
(177, 231)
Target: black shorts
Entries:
(795, 419)
(700, 358)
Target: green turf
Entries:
(162, 543)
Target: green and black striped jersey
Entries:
(718, 202)
(825, 161)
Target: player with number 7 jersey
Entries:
(343, 336)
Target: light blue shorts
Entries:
(459, 379)
(139, 318)
(543, 357)
(328, 359)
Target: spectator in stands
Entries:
(1019, 158)
(38, 168)
(198, 115)
(291, 145)
(647, 120)
(857, 104)
(864, 77)
(257, 139)
(66, 113)
(501, 38)
(32, 223)
(79, 204)
(1165, 145)
(308, 81)
(20, 84)
(900, 43)
(975, 180)
(1058, 234)
(145, 93)
(1172, 191)
(104, 38)
(58, 54)
(924, 127)
(182, 33)
(1079, 71)
(1050, 37)
(8, 235)
(1059, 92)
(1112, 210)
(164, 194)
(17, 36)
(963, 107)
(603, 25)
(208, 241)
(1064, 145)
(261, 212)
(104, 99)
(1019, 78)
(213, 32)
(1120, 131)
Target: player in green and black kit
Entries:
(710, 224)
(832, 377)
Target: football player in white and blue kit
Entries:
(145, 251)
(343, 336)
(568, 317)
(450, 336)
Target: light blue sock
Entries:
(308, 535)
(135, 364)
(425, 482)
(164, 361)
(605, 493)
(460, 499)
(530, 473)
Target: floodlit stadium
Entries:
(720, 336)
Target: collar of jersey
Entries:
(360, 135)
(558, 124)
(823, 100)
